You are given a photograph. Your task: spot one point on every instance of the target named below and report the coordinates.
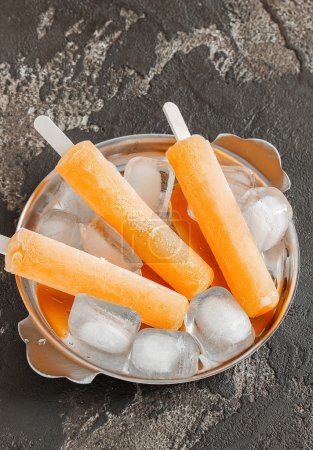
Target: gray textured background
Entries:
(103, 69)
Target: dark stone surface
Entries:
(103, 69)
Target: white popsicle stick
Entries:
(3, 244)
(176, 121)
(52, 134)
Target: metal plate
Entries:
(52, 357)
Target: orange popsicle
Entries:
(189, 230)
(72, 271)
(211, 200)
(56, 305)
(102, 187)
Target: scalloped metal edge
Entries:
(261, 154)
(45, 360)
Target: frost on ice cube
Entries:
(101, 240)
(275, 262)
(61, 226)
(240, 180)
(102, 332)
(103, 325)
(158, 354)
(153, 179)
(220, 325)
(268, 215)
(68, 200)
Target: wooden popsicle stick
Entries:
(4, 241)
(176, 121)
(52, 134)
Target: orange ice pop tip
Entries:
(103, 188)
(219, 217)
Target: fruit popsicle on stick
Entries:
(103, 188)
(211, 200)
(59, 266)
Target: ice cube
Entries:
(68, 200)
(268, 215)
(275, 262)
(158, 354)
(61, 226)
(101, 331)
(153, 179)
(207, 364)
(101, 240)
(220, 325)
(240, 180)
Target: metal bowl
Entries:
(48, 355)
